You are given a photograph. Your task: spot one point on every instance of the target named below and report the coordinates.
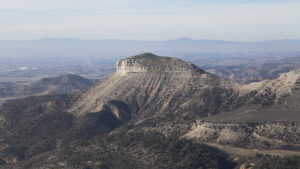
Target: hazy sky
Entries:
(239, 20)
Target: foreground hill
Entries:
(65, 84)
(160, 112)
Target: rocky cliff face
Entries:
(149, 63)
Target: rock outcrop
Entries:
(150, 63)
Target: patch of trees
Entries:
(126, 150)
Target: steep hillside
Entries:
(157, 86)
(268, 100)
(34, 125)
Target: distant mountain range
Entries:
(84, 49)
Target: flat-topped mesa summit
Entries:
(151, 84)
(151, 63)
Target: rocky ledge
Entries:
(148, 62)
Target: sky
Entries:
(235, 20)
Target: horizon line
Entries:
(176, 39)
